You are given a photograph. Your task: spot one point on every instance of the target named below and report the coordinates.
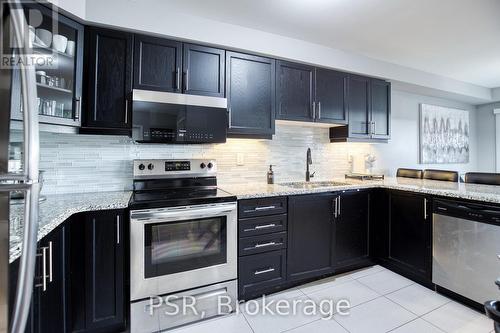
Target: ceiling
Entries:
(459, 39)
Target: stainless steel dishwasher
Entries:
(466, 246)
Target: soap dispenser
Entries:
(270, 175)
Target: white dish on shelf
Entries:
(32, 35)
(44, 37)
(59, 43)
(70, 48)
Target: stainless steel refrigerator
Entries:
(14, 27)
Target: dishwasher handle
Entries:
(475, 212)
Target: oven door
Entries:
(180, 248)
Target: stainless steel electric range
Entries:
(183, 243)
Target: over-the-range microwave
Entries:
(162, 117)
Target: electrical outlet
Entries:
(240, 159)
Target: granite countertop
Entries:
(58, 208)
(486, 193)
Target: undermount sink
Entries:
(312, 185)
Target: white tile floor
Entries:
(381, 301)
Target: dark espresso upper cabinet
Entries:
(171, 66)
(330, 96)
(203, 70)
(369, 110)
(380, 95)
(250, 90)
(109, 82)
(358, 101)
(295, 91)
(157, 64)
(311, 94)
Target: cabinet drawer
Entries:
(262, 207)
(262, 243)
(261, 271)
(262, 225)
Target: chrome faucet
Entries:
(309, 162)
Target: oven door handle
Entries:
(180, 213)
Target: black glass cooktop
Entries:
(178, 197)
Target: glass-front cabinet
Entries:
(57, 50)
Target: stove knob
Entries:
(203, 165)
(210, 165)
(151, 166)
(142, 167)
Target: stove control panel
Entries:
(156, 168)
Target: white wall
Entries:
(154, 16)
(75, 7)
(486, 137)
(403, 148)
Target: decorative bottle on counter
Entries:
(270, 175)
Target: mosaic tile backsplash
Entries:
(87, 163)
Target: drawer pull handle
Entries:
(265, 226)
(265, 208)
(264, 244)
(269, 270)
(257, 209)
(259, 227)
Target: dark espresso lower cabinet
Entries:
(49, 290)
(310, 236)
(410, 231)
(352, 230)
(50, 308)
(97, 292)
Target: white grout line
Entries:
(291, 329)
(246, 320)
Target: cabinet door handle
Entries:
(264, 244)
(425, 208)
(335, 207)
(229, 117)
(314, 110)
(44, 268)
(126, 111)
(319, 110)
(269, 270)
(50, 261)
(340, 209)
(186, 80)
(118, 229)
(177, 78)
(78, 108)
